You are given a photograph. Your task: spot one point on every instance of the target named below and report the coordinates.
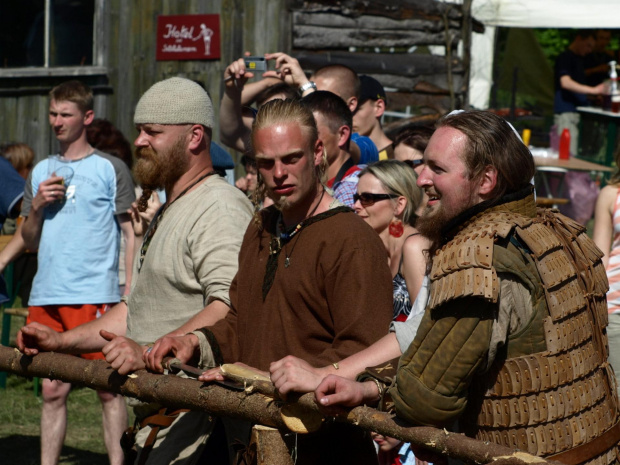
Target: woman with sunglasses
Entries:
(387, 199)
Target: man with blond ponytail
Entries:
(312, 282)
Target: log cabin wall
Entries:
(317, 32)
(351, 33)
(124, 64)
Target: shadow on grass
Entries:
(24, 450)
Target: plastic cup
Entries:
(66, 173)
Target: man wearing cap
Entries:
(186, 263)
(367, 118)
(312, 276)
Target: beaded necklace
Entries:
(286, 237)
(279, 241)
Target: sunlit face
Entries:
(382, 212)
(161, 154)
(67, 120)
(365, 118)
(385, 443)
(444, 177)
(287, 164)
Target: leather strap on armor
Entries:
(541, 401)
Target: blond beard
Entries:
(282, 203)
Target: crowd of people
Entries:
(413, 273)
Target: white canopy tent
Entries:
(528, 14)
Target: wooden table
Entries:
(546, 166)
(572, 164)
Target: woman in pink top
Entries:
(607, 238)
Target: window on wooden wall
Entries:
(49, 34)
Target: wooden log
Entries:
(269, 446)
(303, 18)
(423, 103)
(316, 37)
(253, 405)
(409, 84)
(396, 9)
(401, 64)
(418, 120)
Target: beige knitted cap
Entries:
(175, 101)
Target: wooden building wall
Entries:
(127, 30)
(374, 37)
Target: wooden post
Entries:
(466, 34)
(269, 446)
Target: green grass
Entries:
(20, 414)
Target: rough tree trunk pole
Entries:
(250, 404)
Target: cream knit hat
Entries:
(175, 101)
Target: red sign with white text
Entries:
(188, 37)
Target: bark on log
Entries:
(396, 9)
(408, 84)
(395, 127)
(369, 22)
(316, 38)
(412, 65)
(254, 406)
(269, 446)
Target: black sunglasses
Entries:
(367, 199)
(414, 163)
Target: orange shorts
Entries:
(65, 317)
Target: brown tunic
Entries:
(333, 300)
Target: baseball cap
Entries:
(370, 89)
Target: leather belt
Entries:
(589, 450)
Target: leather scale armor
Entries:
(565, 396)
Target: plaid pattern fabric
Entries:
(345, 189)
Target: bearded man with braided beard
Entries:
(182, 275)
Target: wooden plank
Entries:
(315, 37)
(402, 64)
(573, 164)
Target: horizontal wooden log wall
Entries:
(324, 32)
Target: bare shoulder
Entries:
(415, 244)
(608, 195)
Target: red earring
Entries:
(396, 228)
